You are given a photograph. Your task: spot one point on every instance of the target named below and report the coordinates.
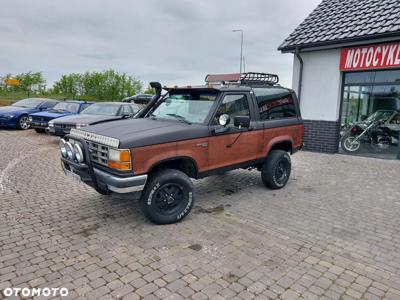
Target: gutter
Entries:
(297, 53)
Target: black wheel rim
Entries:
(281, 171)
(169, 199)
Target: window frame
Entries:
(219, 101)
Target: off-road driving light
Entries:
(78, 153)
(62, 148)
(70, 150)
(119, 159)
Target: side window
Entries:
(48, 104)
(126, 110)
(233, 105)
(276, 103)
(84, 106)
(135, 108)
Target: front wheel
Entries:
(349, 144)
(23, 122)
(168, 197)
(276, 169)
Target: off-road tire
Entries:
(277, 162)
(22, 123)
(159, 192)
(38, 130)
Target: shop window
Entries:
(275, 103)
(370, 114)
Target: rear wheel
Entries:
(23, 122)
(276, 170)
(168, 197)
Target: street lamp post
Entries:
(241, 47)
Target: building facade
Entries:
(346, 71)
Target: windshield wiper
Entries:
(180, 118)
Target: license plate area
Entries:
(75, 177)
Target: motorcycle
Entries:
(375, 131)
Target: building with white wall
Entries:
(346, 68)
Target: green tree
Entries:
(150, 90)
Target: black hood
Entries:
(85, 119)
(144, 132)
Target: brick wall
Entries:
(321, 136)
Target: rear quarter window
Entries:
(275, 103)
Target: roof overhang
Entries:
(356, 41)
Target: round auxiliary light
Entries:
(78, 153)
(70, 150)
(62, 148)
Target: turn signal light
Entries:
(124, 166)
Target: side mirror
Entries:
(224, 120)
(241, 121)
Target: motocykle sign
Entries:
(370, 57)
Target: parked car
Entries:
(140, 99)
(17, 114)
(39, 121)
(191, 132)
(94, 114)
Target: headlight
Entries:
(51, 124)
(81, 125)
(62, 148)
(70, 150)
(30, 119)
(78, 153)
(119, 159)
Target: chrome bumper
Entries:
(121, 185)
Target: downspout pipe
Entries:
(300, 82)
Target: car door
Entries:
(230, 146)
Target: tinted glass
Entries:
(275, 103)
(85, 105)
(102, 109)
(29, 103)
(49, 104)
(392, 76)
(359, 77)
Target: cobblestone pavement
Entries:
(332, 233)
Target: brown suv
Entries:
(190, 132)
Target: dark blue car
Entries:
(17, 114)
(40, 120)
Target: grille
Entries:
(98, 153)
(67, 126)
(40, 119)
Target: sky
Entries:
(171, 41)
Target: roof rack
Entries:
(249, 78)
(253, 78)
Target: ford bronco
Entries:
(233, 121)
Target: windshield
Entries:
(102, 109)
(66, 107)
(187, 106)
(379, 115)
(29, 103)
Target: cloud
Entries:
(172, 41)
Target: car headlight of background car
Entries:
(81, 125)
(30, 119)
(51, 124)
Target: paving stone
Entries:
(322, 237)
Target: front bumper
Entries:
(102, 181)
(39, 125)
(58, 131)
